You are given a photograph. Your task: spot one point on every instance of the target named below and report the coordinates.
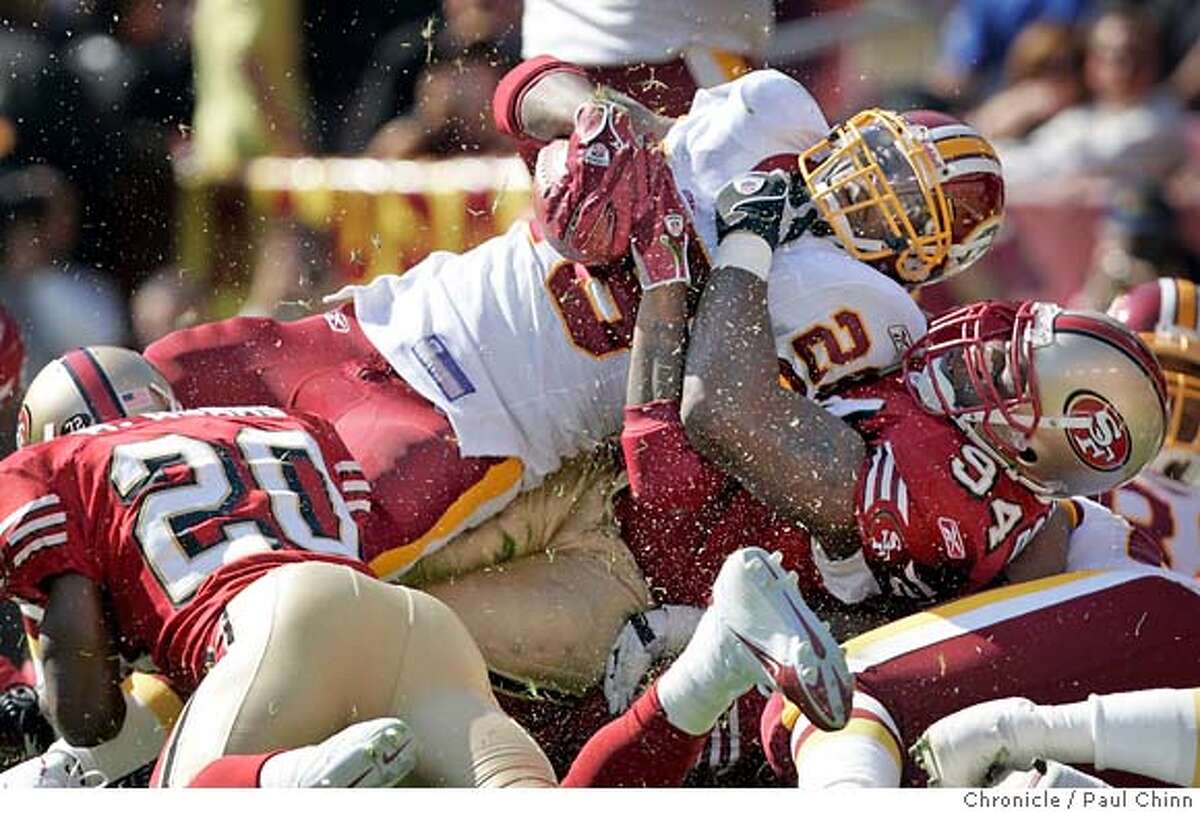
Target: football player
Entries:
(1063, 639)
(1164, 500)
(223, 545)
(474, 376)
(682, 516)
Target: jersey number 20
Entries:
(168, 518)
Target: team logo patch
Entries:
(901, 338)
(337, 321)
(597, 155)
(952, 537)
(883, 533)
(674, 224)
(749, 184)
(1104, 444)
(80, 420)
(442, 367)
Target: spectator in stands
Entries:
(976, 39)
(61, 304)
(1139, 241)
(251, 98)
(459, 64)
(1131, 129)
(657, 52)
(1044, 76)
(169, 300)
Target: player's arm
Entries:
(537, 101)
(82, 679)
(784, 448)
(1046, 554)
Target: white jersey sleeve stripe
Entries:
(26, 509)
(347, 467)
(35, 525)
(356, 486)
(41, 543)
(359, 505)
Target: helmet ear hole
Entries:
(1028, 456)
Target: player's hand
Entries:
(661, 228)
(649, 637)
(969, 748)
(772, 205)
(586, 188)
(24, 730)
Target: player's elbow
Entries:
(90, 726)
(710, 415)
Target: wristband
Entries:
(747, 251)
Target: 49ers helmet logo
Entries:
(1104, 444)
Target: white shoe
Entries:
(53, 769)
(760, 604)
(373, 754)
(968, 748)
(1048, 774)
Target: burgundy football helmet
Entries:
(917, 195)
(1164, 314)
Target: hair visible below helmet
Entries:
(919, 195)
(1072, 402)
(1164, 314)
(87, 386)
(12, 357)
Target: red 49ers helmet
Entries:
(1164, 314)
(1071, 402)
(917, 195)
(12, 357)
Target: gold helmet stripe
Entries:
(1185, 309)
(964, 146)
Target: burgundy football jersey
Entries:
(938, 516)
(174, 513)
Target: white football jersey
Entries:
(1169, 511)
(626, 32)
(832, 315)
(528, 355)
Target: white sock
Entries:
(1151, 733)
(706, 679)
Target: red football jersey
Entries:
(937, 514)
(173, 514)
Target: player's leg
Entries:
(442, 691)
(297, 668)
(410, 455)
(1108, 731)
(545, 586)
(757, 631)
(1053, 640)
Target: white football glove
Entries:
(655, 635)
(60, 767)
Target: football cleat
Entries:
(759, 603)
(969, 748)
(54, 769)
(377, 753)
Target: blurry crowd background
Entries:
(155, 155)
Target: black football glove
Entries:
(24, 730)
(774, 205)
